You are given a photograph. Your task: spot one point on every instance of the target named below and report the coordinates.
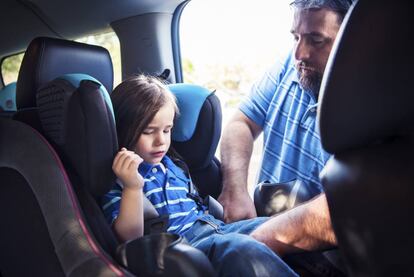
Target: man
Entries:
(283, 106)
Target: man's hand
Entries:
(306, 227)
(237, 206)
(125, 167)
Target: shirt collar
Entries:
(145, 168)
(172, 167)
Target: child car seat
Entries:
(76, 116)
(8, 100)
(100, 237)
(196, 135)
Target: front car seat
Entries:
(367, 121)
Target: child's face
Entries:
(155, 140)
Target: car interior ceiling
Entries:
(50, 18)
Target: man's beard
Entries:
(310, 81)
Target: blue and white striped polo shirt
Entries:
(287, 115)
(166, 186)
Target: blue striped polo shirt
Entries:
(287, 115)
(166, 186)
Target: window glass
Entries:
(10, 68)
(111, 43)
(227, 44)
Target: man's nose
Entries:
(302, 51)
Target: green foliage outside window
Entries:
(10, 68)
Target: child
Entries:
(144, 112)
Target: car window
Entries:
(109, 41)
(227, 44)
(10, 68)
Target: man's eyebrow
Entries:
(318, 34)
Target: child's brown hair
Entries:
(136, 101)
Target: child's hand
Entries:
(125, 166)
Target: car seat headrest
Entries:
(190, 100)
(48, 58)
(366, 94)
(8, 97)
(77, 117)
(197, 129)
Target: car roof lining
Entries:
(67, 19)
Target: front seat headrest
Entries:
(366, 93)
(48, 58)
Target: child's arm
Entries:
(130, 223)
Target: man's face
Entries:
(314, 32)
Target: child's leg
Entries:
(240, 255)
(234, 253)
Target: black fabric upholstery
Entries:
(48, 58)
(366, 121)
(43, 211)
(6, 114)
(79, 122)
(29, 236)
(29, 116)
(366, 95)
(369, 193)
(198, 152)
(164, 254)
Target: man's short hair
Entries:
(339, 6)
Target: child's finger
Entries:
(120, 158)
(135, 162)
(115, 163)
(129, 156)
(118, 155)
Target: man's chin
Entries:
(310, 83)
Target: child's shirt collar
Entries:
(146, 169)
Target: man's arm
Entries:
(304, 228)
(236, 150)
